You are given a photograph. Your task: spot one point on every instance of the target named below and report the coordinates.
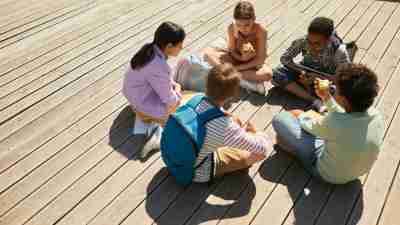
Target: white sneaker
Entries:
(152, 143)
(257, 87)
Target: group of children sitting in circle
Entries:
(337, 140)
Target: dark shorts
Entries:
(282, 76)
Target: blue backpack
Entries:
(183, 137)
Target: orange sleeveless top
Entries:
(241, 40)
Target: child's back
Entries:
(148, 84)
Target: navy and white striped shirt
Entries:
(224, 132)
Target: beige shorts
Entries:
(228, 160)
(186, 96)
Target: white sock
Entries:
(152, 127)
(153, 143)
(140, 126)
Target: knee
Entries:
(208, 52)
(252, 158)
(280, 122)
(281, 77)
(277, 121)
(265, 72)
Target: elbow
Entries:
(260, 61)
(263, 59)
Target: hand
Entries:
(306, 81)
(172, 108)
(247, 56)
(296, 112)
(235, 119)
(238, 121)
(320, 89)
(255, 157)
(250, 128)
(178, 88)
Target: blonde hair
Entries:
(223, 82)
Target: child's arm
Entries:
(326, 97)
(232, 44)
(342, 56)
(237, 137)
(317, 126)
(290, 53)
(260, 50)
(163, 86)
(333, 106)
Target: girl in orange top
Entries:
(246, 49)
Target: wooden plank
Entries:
(28, 15)
(365, 20)
(273, 26)
(39, 199)
(339, 13)
(357, 14)
(339, 215)
(112, 188)
(175, 210)
(26, 81)
(34, 171)
(19, 7)
(15, 12)
(49, 126)
(69, 198)
(112, 92)
(158, 164)
(390, 214)
(115, 213)
(79, 30)
(274, 167)
(326, 189)
(279, 215)
(373, 29)
(283, 197)
(41, 24)
(28, 146)
(87, 73)
(377, 184)
(147, 185)
(103, 174)
(102, 199)
(16, 140)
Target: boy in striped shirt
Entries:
(321, 50)
(229, 144)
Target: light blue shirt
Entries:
(352, 141)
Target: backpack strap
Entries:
(207, 115)
(195, 101)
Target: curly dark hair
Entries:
(223, 82)
(358, 84)
(322, 25)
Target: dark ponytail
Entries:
(166, 33)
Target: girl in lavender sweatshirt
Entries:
(148, 84)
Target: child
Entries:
(322, 50)
(246, 49)
(148, 83)
(344, 144)
(229, 145)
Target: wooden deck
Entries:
(66, 154)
